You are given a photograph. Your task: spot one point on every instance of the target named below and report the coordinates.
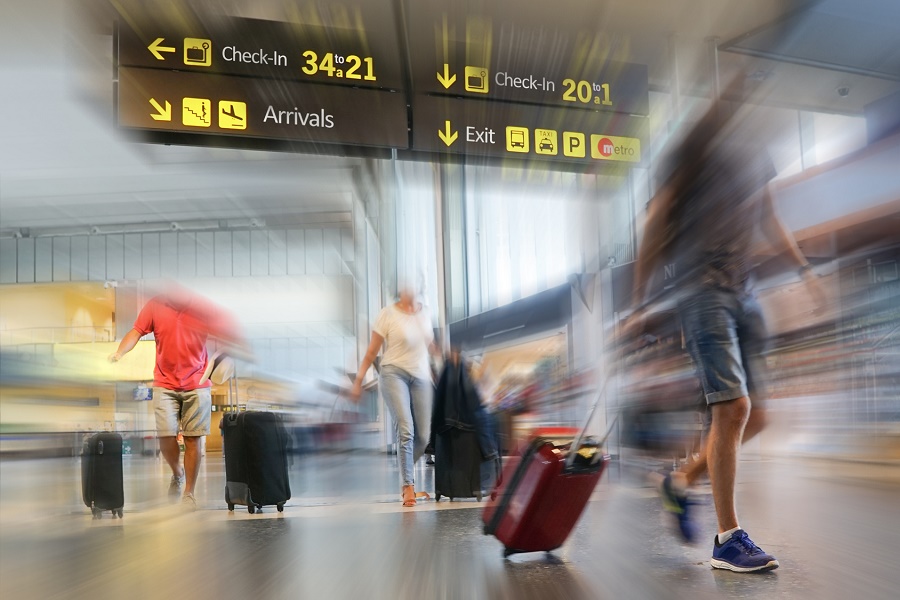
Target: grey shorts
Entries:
(187, 411)
(726, 337)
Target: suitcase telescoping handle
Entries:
(576, 443)
(233, 392)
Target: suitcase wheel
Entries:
(280, 507)
(97, 513)
(230, 506)
(251, 509)
(437, 496)
(119, 512)
(478, 496)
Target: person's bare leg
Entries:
(192, 459)
(168, 447)
(697, 468)
(728, 422)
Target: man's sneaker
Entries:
(175, 486)
(740, 554)
(188, 502)
(680, 506)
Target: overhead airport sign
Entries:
(225, 105)
(480, 89)
(478, 59)
(506, 130)
(256, 48)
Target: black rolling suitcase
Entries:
(255, 448)
(102, 486)
(463, 436)
(457, 465)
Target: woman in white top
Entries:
(404, 330)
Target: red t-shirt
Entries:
(181, 332)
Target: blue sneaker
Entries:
(680, 506)
(741, 555)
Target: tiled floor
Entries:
(345, 535)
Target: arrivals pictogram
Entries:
(232, 114)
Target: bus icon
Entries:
(517, 139)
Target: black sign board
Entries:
(337, 74)
(257, 48)
(211, 104)
(493, 59)
(518, 131)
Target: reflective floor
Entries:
(835, 527)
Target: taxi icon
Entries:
(546, 144)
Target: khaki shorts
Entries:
(187, 411)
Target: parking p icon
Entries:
(573, 144)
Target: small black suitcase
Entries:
(457, 465)
(255, 447)
(102, 486)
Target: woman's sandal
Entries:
(409, 495)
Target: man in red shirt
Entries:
(180, 322)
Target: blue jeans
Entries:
(409, 400)
(726, 337)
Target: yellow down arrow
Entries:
(155, 48)
(447, 137)
(163, 114)
(447, 79)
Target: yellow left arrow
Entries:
(155, 48)
(445, 135)
(162, 114)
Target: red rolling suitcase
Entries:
(542, 494)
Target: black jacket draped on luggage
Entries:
(457, 405)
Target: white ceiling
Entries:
(62, 164)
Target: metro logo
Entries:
(611, 147)
(605, 147)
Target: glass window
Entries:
(837, 135)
